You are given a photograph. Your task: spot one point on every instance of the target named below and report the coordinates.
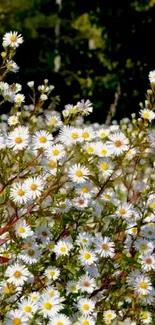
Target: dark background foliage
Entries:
(99, 50)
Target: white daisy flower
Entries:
(63, 206)
(85, 107)
(78, 173)
(84, 239)
(18, 193)
(148, 262)
(125, 211)
(44, 234)
(42, 139)
(108, 316)
(16, 317)
(53, 120)
(102, 150)
(72, 287)
(16, 87)
(17, 274)
(102, 133)
(12, 66)
(85, 190)
(8, 95)
(86, 306)
(118, 143)
(12, 39)
(69, 135)
(22, 229)
(152, 76)
(145, 317)
(87, 134)
(55, 152)
(19, 99)
(4, 85)
(30, 255)
(59, 319)
(52, 272)
(18, 139)
(90, 148)
(86, 283)
(105, 167)
(53, 293)
(49, 306)
(142, 285)
(87, 256)
(34, 186)
(143, 246)
(62, 248)
(80, 203)
(27, 306)
(105, 247)
(13, 120)
(147, 114)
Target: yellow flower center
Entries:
(143, 285)
(85, 322)
(47, 305)
(105, 247)
(21, 230)
(108, 196)
(34, 187)
(74, 136)
(146, 115)
(52, 273)
(122, 211)
(109, 316)
(134, 230)
(53, 121)
(63, 206)
(51, 294)
(118, 143)
(73, 288)
(51, 245)
(8, 289)
(42, 139)
(85, 135)
(104, 151)
(28, 309)
(145, 316)
(20, 192)
(143, 247)
(16, 321)
(102, 135)
(84, 189)
(105, 166)
(13, 39)
(90, 149)
(52, 163)
(79, 173)
(87, 256)
(63, 249)
(59, 323)
(152, 205)
(17, 274)
(86, 307)
(55, 152)
(18, 140)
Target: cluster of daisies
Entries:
(77, 205)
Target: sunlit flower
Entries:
(12, 39)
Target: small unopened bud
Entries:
(43, 97)
(141, 104)
(30, 84)
(149, 91)
(3, 55)
(46, 81)
(133, 115)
